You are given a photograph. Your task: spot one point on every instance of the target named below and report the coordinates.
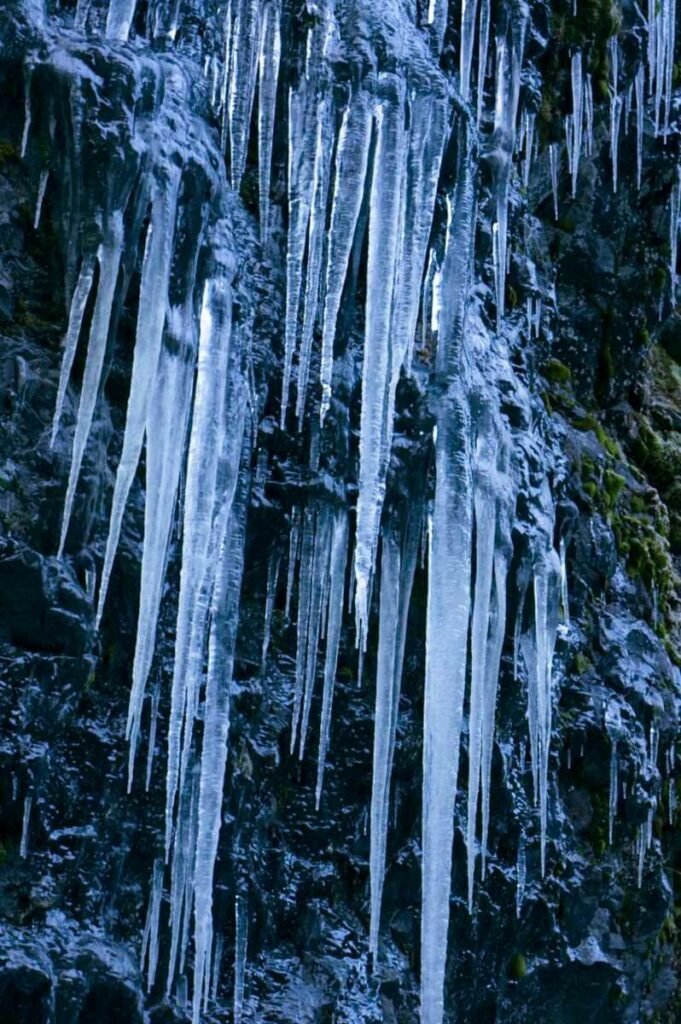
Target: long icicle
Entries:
(109, 258)
(150, 322)
(448, 591)
(350, 174)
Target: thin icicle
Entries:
(612, 800)
(148, 337)
(167, 422)
(350, 174)
(483, 46)
(302, 134)
(76, 313)
(268, 61)
(319, 572)
(674, 214)
(337, 567)
(108, 257)
(508, 66)
(469, 10)
(25, 826)
(521, 877)
(42, 188)
(244, 71)
(427, 138)
(151, 927)
(384, 222)
(577, 115)
(272, 581)
(293, 548)
(316, 233)
(588, 116)
(565, 599)
(615, 118)
(398, 564)
(640, 115)
(554, 153)
(28, 77)
(240, 948)
(529, 122)
(153, 724)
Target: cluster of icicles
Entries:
(187, 404)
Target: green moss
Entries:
(517, 967)
(581, 664)
(557, 372)
(8, 152)
(614, 485)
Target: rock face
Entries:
(552, 378)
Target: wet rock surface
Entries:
(590, 941)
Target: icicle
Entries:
(427, 138)
(166, 431)
(240, 944)
(612, 801)
(272, 580)
(224, 621)
(148, 337)
(319, 571)
(305, 592)
(77, 311)
(28, 76)
(553, 165)
(316, 233)
(151, 928)
(376, 370)
(469, 10)
(577, 115)
(569, 136)
(588, 116)
(269, 59)
(25, 825)
(483, 46)
(244, 70)
(448, 593)
(217, 961)
(108, 257)
(294, 543)
(350, 173)
(508, 67)
(338, 561)
(302, 134)
(42, 186)
(640, 115)
(529, 122)
(521, 875)
(182, 876)
(398, 565)
(205, 443)
(615, 117)
(564, 584)
(119, 19)
(492, 502)
(155, 700)
(641, 850)
(674, 214)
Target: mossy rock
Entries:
(557, 372)
(517, 967)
